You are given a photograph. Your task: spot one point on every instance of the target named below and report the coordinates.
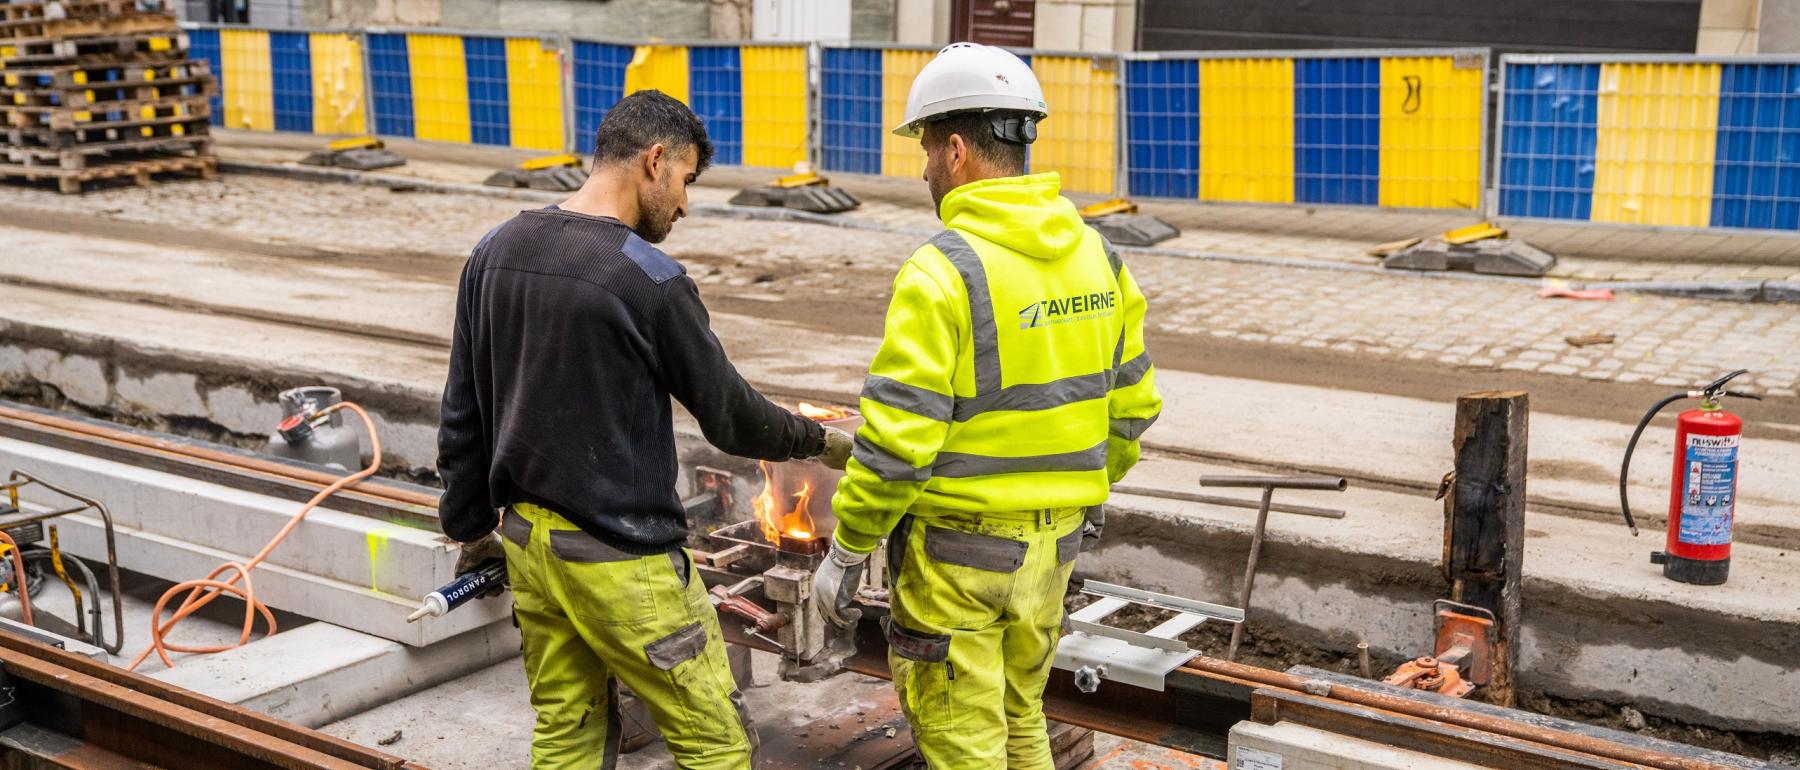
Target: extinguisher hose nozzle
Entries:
(1631, 446)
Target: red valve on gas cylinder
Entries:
(1702, 485)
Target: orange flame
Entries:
(823, 413)
(796, 522)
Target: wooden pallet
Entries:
(106, 95)
(139, 169)
(74, 9)
(110, 49)
(78, 157)
(105, 114)
(88, 27)
(93, 74)
(109, 132)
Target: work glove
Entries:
(1090, 529)
(476, 553)
(837, 449)
(834, 585)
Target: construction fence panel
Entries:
(284, 80)
(862, 98)
(751, 97)
(468, 89)
(1668, 141)
(1397, 129)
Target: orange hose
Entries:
(19, 577)
(203, 591)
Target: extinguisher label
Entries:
(1707, 489)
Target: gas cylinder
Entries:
(306, 436)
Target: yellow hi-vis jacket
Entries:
(1012, 374)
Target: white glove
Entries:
(837, 449)
(834, 585)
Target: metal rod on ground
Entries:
(1256, 539)
(1362, 660)
(1334, 483)
(1268, 484)
(1233, 502)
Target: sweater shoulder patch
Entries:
(660, 267)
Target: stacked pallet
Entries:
(95, 89)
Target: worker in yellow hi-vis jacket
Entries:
(1009, 392)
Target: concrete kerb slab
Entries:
(319, 673)
(1738, 291)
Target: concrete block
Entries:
(1057, 26)
(240, 411)
(1290, 746)
(1724, 42)
(1728, 14)
(1097, 24)
(81, 379)
(162, 393)
(320, 673)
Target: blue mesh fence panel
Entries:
(1162, 113)
(390, 74)
(204, 44)
(1550, 134)
(1337, 131)
(290, 69)
(716, 92)
(599, 82)
(484, 59)
(1756, 174)
(850, 106)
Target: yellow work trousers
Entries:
(592, 616)
(977, 612)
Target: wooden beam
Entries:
(1484, 521)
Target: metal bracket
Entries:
(1095, 651)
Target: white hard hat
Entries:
(967, 77)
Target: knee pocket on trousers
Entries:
(924, 690)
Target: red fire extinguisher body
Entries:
(1703, 495)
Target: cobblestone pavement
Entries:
(1476, 324)
(1338, 234)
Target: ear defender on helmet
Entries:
(1014, 127)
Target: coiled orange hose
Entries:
(203, 591)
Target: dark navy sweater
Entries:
(572, 333)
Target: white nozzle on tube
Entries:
(433, 605)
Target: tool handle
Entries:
(763, 621)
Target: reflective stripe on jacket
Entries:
(1012, 374)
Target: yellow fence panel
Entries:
(534, 95)
(899, 156)
(774, 86)
(662, 67)
(1431, 133)
(1079, 139)
(339, 104)
(1247, 130)
(1657, 134)
(249, 91)
(440, 87)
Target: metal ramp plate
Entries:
(1095, 651)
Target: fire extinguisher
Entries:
(1702, 486)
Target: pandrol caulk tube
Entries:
(465, 587)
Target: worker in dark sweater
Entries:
(572, 333)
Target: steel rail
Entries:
(1202, 700)
(374, 496)
(143, 717)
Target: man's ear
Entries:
(957, 153)
(655, 159)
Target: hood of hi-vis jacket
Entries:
(1027, 214)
